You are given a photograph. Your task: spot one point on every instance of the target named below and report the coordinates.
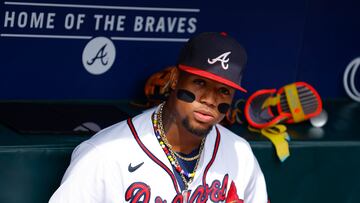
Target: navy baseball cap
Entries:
(215, 56)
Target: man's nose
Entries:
(208, 97)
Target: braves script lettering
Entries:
(140, 192)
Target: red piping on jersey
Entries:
(216, 147)
(151, 156)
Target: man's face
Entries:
(199, 116)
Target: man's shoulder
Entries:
(229, 138)
(119, 132)
(230, 135)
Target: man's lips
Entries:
(203, 116)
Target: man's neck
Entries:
(180, 138)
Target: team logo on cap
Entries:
(223, 58)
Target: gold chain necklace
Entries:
(166, 142)
(169, 145)
(187, 158)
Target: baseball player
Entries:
(176, 152)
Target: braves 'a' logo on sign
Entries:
(223, 58)
(98, 55)
(101, 54)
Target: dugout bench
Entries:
(37, 138)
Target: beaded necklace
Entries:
(167, 148)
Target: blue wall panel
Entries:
(331, 41)
(300, 40)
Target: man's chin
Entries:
(199, 130)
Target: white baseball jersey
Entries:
(125, 163)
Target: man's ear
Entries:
(174, 77)
(173, 84)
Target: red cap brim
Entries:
(211, 76)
